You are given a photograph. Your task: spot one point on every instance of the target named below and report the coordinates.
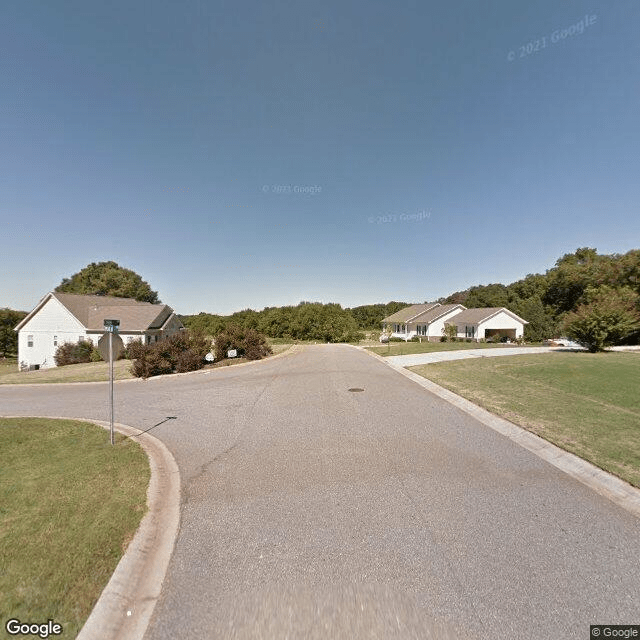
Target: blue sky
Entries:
(248, 154)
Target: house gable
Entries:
(51, 316)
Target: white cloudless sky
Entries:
(253, 154)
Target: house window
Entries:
(80, 338)
(422, 329)
(55, 341)
(470, 332)
(148, 339)
(29, 341)
(155, 338)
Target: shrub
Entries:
(73, 353)
(449, 332)
(151, 363)
(95, 355)
(606, 317)
(443, 338)
(247, 342)
(182, 352)
(134, 349)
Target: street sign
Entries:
(103, 346)
(232, 353)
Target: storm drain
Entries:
(355, 389)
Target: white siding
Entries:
(435, 328)
(53, 319)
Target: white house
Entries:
(428, 320)
(67, 317)
(488, 322)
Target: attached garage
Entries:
(488, 322)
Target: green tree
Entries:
(449, 332)
(606, 317)
(571, 276)
(490, 295)
(541, 321)
(9, 318)
(108, 279)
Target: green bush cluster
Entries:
(606, 317)
(182, 352)
(73, 353)
(249, 343)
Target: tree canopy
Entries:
(9, 318)
(583, 280)
(108, 279)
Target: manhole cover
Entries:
(356, 389)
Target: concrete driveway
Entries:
(414, 359)
(313, 511)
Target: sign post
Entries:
(111, 327)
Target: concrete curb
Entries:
(604, 483)
(124, 609)
(125, 606)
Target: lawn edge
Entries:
(125, 606)
(606, 484)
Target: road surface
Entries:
(313, 511)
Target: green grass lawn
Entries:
(69, 505)
(586, 403)
(8, 365)
(406, 348)
(86, 372)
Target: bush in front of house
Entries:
(73, 353)
(151, 363)
(249, 343)
(449, 332)
(182, 352)
(134, 349)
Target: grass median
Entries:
(70, 504)
(585, 403)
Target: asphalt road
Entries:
(311, 511)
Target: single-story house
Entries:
(428, 320)
(68, 317)
(488, 322)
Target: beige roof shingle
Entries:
(133, 315)
(475, 316)
(408, 313)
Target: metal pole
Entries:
(111, 383)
